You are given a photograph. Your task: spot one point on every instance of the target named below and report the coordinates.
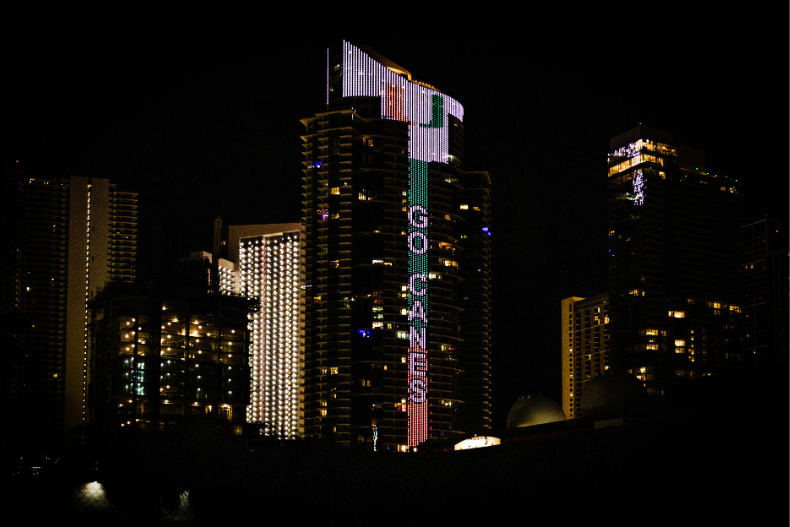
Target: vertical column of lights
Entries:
(87, 291)
(250, 260)
(639, 185)
(292, 380)
(282, 284)
(296, 356)
(327, 76)
(425, 111)
(269, 346)
(278, 306)
(268, 342)
(225, 280)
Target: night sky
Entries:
(203, 120)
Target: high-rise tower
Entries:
(397, 348)
(80, 235)
(584, 328)
(673, 260)
(763, 273)
(270, 274)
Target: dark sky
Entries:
(203, 119)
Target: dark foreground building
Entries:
(68, 238)
(397, 262)
(674, 249)
(156, 357)
(764, 275)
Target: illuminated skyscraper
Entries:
(80, 234)
(270, 272)
(674, 234)
(397, 246)
(584, 328)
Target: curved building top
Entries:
(424, 108)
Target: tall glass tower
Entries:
(674, 251)
(80, 235)
(397, 349)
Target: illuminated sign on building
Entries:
(425, 110)
(639, 187)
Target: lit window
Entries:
(335, 190)
(464, 207)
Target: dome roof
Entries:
(534, 409)
(604, 394)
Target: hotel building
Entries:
(585, 347)
(270, 276)
(397, 262)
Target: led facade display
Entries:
(269, 267)
(425, 110)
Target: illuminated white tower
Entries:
(270, 274)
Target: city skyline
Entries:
(201, 128)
